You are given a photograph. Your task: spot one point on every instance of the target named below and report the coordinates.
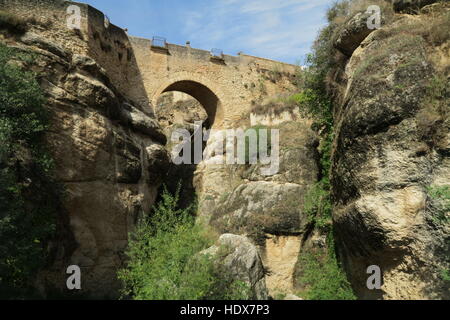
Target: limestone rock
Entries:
(263, 207)
(243, 262)
(111, 170)
(158, 163)
(34, 39)
(142, 123)
(269, 209)
(280, 254)
(128, 163)
(382, 165)
(353, 33)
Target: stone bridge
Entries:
(227, 86)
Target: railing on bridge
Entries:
(159, 42)
(216, 54)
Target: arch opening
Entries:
(205, 96)
(180, 104)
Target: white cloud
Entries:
(276, 29)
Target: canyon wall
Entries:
(113, 111)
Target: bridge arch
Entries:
(202, 90)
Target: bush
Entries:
(29, 197)
(165, 261)
(318, 207)
(445, 275)
(440, 203)
(323, 278)
(12, 23)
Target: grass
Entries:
(445, 275)
(277, 106)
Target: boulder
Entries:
(353, 33)
(141, 122)
(243, 262)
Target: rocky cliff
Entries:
(108, 149)
(390, 155)
(391, 150)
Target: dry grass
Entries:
(343, 11)
(434, 119)
(433, 25)
(437, 27)
(276, 106)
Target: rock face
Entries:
(392, 144)
(391, 150)
(243, 262)
(109, 155)
(111, 168)
(268, 209)
(353, 33)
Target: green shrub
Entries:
(318, 206)
(440, 206)
(164, 260)
(29, 197)
(445, 275)
(323, 278)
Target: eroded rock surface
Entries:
(109, 157)
(243, 262)
(388, 151)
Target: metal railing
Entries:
(159, 42)
(217, 53)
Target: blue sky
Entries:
(275, 29)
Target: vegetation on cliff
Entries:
(28, 197)
(319, 272)
(389, 94)
(165, 259)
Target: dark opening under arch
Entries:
(207, 98)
